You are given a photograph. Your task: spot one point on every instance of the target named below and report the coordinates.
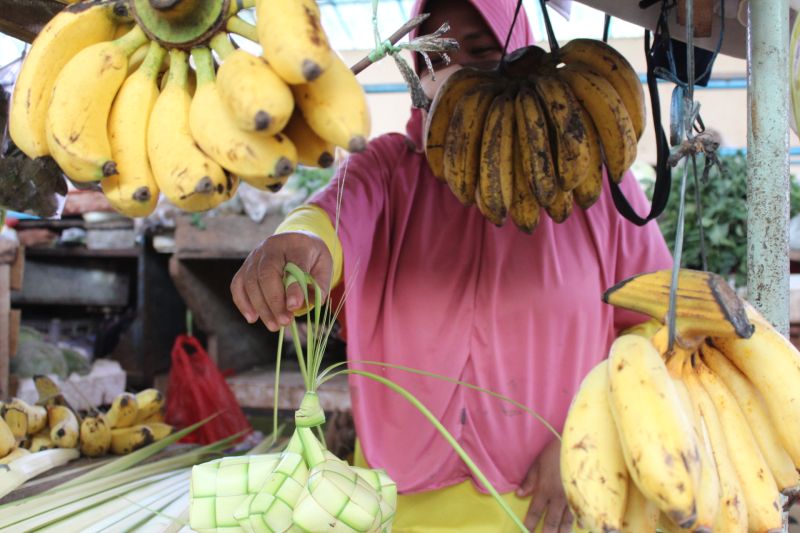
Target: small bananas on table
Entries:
(573, 113)
(132, 421)
(703, 435)
(108, 91)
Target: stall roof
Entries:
(349, 22)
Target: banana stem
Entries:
(448, 437)
(154, 58)
(243, 28)
(222, 45)
(132, 40)
(204, 64)
(178, 68)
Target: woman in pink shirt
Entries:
(435, 286)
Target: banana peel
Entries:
(705, 304)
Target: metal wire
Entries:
(676, 262)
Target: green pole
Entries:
(768, 160)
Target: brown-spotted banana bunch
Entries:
(117, 102)
(703, 435)
(536, 133)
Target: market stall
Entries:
(225, 391)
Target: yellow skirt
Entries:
(457, 508)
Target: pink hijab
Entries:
(498, 15)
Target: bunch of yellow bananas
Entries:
(111, 96)
(132, 421)
(536, 131)
(703, 436)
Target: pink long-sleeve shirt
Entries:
(433, 285)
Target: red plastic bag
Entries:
(197, 390)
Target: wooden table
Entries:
(12, 264)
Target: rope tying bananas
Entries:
(111, 96)
(574, 112)
(702, 436)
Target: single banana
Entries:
(127, 440)
(7, 439)
(659, 445)
(292, 39)
(253, 156)
(706, 305)
(334, 105)
(755, 411)
(561, 207)
(568, 139)
(95, 436)
(462, 146)
(160, 430)
(37, 414)
(77, 119)
(760, 491)
(524, 209)
(641, 515)
(17, 421)
(593, 470)
(76, 27)
(256, 98)
(708, 488)
(609, 115)
(437, 120)
(133, 191)
(41, 441)
(732, 512)
(16, 453)
(534, 142)
(157, 417)
(312, 150)
(149, 402)
(496, 168)
(123, 411)
(611, 65)
(590, 186)
(186, 176)
(772, 364)
(64, 426)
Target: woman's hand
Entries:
(257, 287)
(543, 481)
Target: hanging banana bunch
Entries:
(109, 92)
(702, 435)
(535, 133)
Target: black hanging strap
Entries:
(663, 171)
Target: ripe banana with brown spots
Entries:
(611, 65)
(463, 141)
(610, 117)
(648, 410)
(534, 143)
(593, 470)
(568, 137)
(442, 109)
(589, 188)
(496, 169)
(524, 211)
